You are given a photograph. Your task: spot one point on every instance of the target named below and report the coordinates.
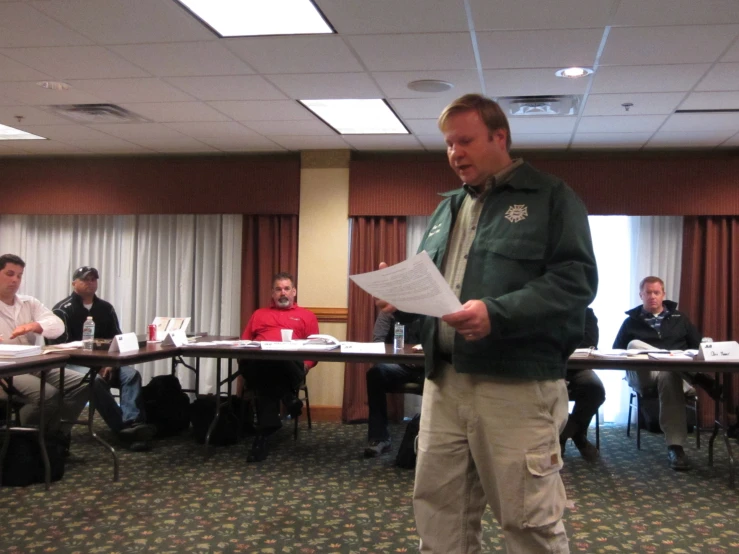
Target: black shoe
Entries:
(138, 432)
(678, 459)
(258, 452)
(587, 450)
(140, 446)
(294, 407)
(708, 384)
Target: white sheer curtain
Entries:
(179, 265)
(656, 249)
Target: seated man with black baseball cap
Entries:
(127, 420)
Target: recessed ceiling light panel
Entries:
(11, 133)
(241, 18)
(574, 72)
(357, 117)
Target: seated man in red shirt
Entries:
(275, 380)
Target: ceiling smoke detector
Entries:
(531, 106)
(97, 113)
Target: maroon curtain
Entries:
(373, 240)
(709, 288)
(269, 245)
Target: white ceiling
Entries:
(202, 94)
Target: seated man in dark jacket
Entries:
(384, 377)
(586, 389)
(658, 324)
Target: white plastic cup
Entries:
(287, 335)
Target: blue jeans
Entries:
(131, 409)
(380, 379)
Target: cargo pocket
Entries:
(544, 493)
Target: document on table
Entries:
(413, 286)
(363, 347)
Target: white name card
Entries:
(727, 351)
(126, 342)
(175, 338)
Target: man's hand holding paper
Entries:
(472, 321)
(413, 286)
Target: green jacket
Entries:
(535, 271)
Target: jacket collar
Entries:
(669, 305)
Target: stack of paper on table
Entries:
(19, 350)
(672, 355)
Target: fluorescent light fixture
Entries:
(358, 117)
(241, 18)
(11, 133)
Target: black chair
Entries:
(691, 403)
(249, 399)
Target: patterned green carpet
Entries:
(320, 495)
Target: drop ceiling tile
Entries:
(422, 126)
(322, 86)
(131, 90)
(666, 45)
(391, 16)
(253, 143)
(127, 21)
(67, 132)
(7, 150)
(23, 25)
(653, 78)
(432, 143)
(394, 84)
(732, 55)
(254, 110)
(541, 48)
(109, 145)
(711, 101)
(75, 62)
(414, 52)
(630, 141)
(11, 70)
(383, 142)
(300, 54)
(722, 76)
(29, 115)
(209, 130)
(534, 14)
(732, 142)
(675, 12)
(621, 124)
(28, 92)
(516, 82)
(650, 103)
(136, 132)
(183, 59)
(419, 108)
(691, 122)
(310, 142)
(248, 87)
(49, 147)
(541, 141)
(692, 140)
(294, 128)
(551, 125)
(163, 112)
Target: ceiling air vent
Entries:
(530, 106)
(96, 113)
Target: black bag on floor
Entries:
(406, 457)
(23, 464)
(166, 405)
(202, 412)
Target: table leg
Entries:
(42, 431)
(8, 415)
(91, 429)
(218, 407)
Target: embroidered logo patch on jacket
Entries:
(516, 213)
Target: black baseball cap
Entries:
(84, 272)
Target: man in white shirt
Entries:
(24, 320)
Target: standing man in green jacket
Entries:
(514, 244)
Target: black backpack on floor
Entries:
(166, 405)
(23, 464)
(406, 457)
(202, 412)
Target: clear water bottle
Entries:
(88, 333)
(399, 337)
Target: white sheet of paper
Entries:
(363, 347)
(414, 286)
